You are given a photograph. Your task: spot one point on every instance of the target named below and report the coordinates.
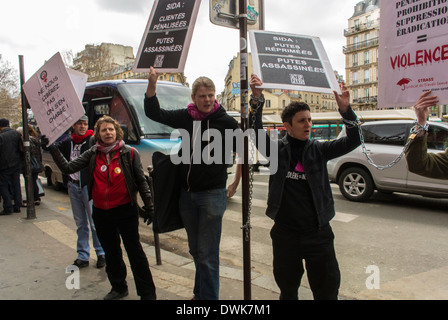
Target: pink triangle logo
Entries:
(299, 167)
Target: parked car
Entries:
(123, 101)
(384, 141)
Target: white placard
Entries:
(55, 102)
(413, 52)
(292, 62)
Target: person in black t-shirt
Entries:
(300, 199)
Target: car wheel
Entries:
(356, 184)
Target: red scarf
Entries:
(78, 139)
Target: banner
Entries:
(167, 36)
(55, 102)
(292, 62)
(413, 52)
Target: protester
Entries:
(10, 167)
(36, 162)
(115, 176)
(431, 165)
(203, 196)
(71, 148)
(300, 200)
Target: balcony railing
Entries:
(361, 45)
(362, 27)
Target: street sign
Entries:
(292, 62)
(52, 95)
(226, 13)
(413, 48)
(167, 36)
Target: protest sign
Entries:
(167, 36)
(55, 102)
(292, 62)
(413, 52)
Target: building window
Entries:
(355, 78)
(367, 57)
(355, 60)
(367, 76)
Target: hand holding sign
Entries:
(343, 99)
(422, 106)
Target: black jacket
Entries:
(66, 147)
(314, 161)
(11, 154)
(201, 176)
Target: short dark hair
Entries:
(291, 109)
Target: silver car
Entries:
(384, 142)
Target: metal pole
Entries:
(156, 235)
(30, 209)
(245, 126)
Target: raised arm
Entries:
(343, 99)
(152, 83)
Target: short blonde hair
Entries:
(202, 82)
(107, 119)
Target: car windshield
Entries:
(171, 97)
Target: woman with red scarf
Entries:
(115, 176)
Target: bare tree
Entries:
(8, 78)
(9, 92)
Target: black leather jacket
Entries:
(10, 149)
(314, 161)
(131, 166)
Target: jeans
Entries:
(114, 225)
(202, 214)
(10, 188)
(317, 249)
(82, 213)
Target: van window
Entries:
(389, 134)
(171, 97)
(107, 101)
(119, 112)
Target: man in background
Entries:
(10, 167)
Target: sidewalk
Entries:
(34, 256)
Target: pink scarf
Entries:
(107, 149)
(198, 115)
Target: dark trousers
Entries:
(10, 188)
(317, 249)
(122, 222)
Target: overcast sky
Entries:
(39, 29)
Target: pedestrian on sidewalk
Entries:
(80, 141)
(300, 200)
(36, 162)
(203, 196)
(115, 176)
(11, 156)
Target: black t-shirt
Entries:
(297, 211)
